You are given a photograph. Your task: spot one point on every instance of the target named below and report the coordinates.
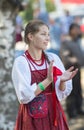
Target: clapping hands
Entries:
(68, 74)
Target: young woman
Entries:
(40, 82)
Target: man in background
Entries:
(72, 54)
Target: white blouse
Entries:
(21, 77)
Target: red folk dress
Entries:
(55, 119)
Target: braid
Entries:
(49, 63)
(46, 57)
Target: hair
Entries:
(72, 26)
(32, 27)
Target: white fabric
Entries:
(58, 63)
(21, 77)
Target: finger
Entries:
(74, 73)
(51, 67)
(71, 68)
(51, 64)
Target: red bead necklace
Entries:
(33, 60)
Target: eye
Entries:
(43, 34)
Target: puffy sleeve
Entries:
(21, 78)
(61, 94)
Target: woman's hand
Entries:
(48, 80)
(68, 74)
(50, 72)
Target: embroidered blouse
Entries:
(21, 77)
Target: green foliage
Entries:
(27, 14)
(50, 5)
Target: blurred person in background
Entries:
(44, 17)
(20, 47)
(72, 54)
(55, 34)
(19, 27)
(18, 24)
(65, 21)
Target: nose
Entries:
(48, 38)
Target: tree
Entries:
(50, 6)
(8, 101)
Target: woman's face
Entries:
(41, 39)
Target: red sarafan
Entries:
(27, 121)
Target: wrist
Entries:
(62, 85)
(41, 86)
(48, 80)
(61, 79)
